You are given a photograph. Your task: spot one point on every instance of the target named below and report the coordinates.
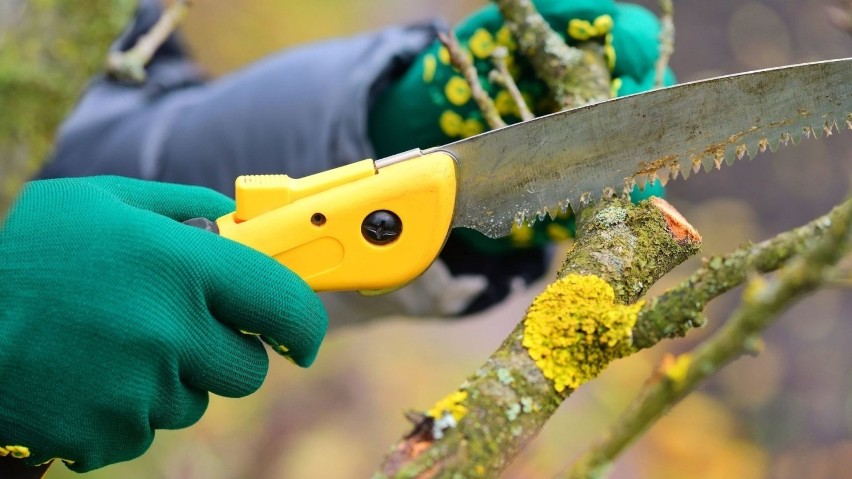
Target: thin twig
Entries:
(762, 302)
(503, 77)
(461, 61)
(667, 34)
(129, 66)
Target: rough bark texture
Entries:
(575, 76)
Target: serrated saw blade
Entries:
(566, 159)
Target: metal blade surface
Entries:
(541, 166)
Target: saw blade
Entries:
(543, 166)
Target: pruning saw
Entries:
(373, 225)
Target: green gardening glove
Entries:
(116, 319)
(431, 104)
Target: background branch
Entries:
(463, 62)
(667, 34)
(129, 66)
(39, 83)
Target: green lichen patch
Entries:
(574, 329)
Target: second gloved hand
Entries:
(430, 104)
(116, 319)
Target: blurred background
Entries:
(784, 414)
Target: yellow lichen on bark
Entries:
(452, 404)
(574, 328)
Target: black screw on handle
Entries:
(381, 227)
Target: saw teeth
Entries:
(675, 170)
(664, 175)
(741, 151)
(828, 127)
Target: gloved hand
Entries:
(430, 104)
(116, 319)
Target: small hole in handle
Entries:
(318, 219)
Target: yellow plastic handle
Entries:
(351, 228)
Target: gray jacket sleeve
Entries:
(298, 112)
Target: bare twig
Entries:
(461, 61)
(667, 33)
(762, 301)
(129, 66)
(503, 77)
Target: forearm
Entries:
(297, 112)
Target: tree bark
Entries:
(621, 250)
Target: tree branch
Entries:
(46, 57)
(680, 309)
(667, 33)
(621, 250)
(574, 76)
(464, 64)
(129, 66)
(762, 301)
(502, 77)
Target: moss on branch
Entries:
(762, 301)
(574, 76)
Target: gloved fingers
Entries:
(252, 292)
(224, 361)
(179, 405)
(636, 40)
(179, 202)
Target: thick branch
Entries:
(763, 300)
(504, 404)
(575, 77)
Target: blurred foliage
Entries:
(48, 50)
